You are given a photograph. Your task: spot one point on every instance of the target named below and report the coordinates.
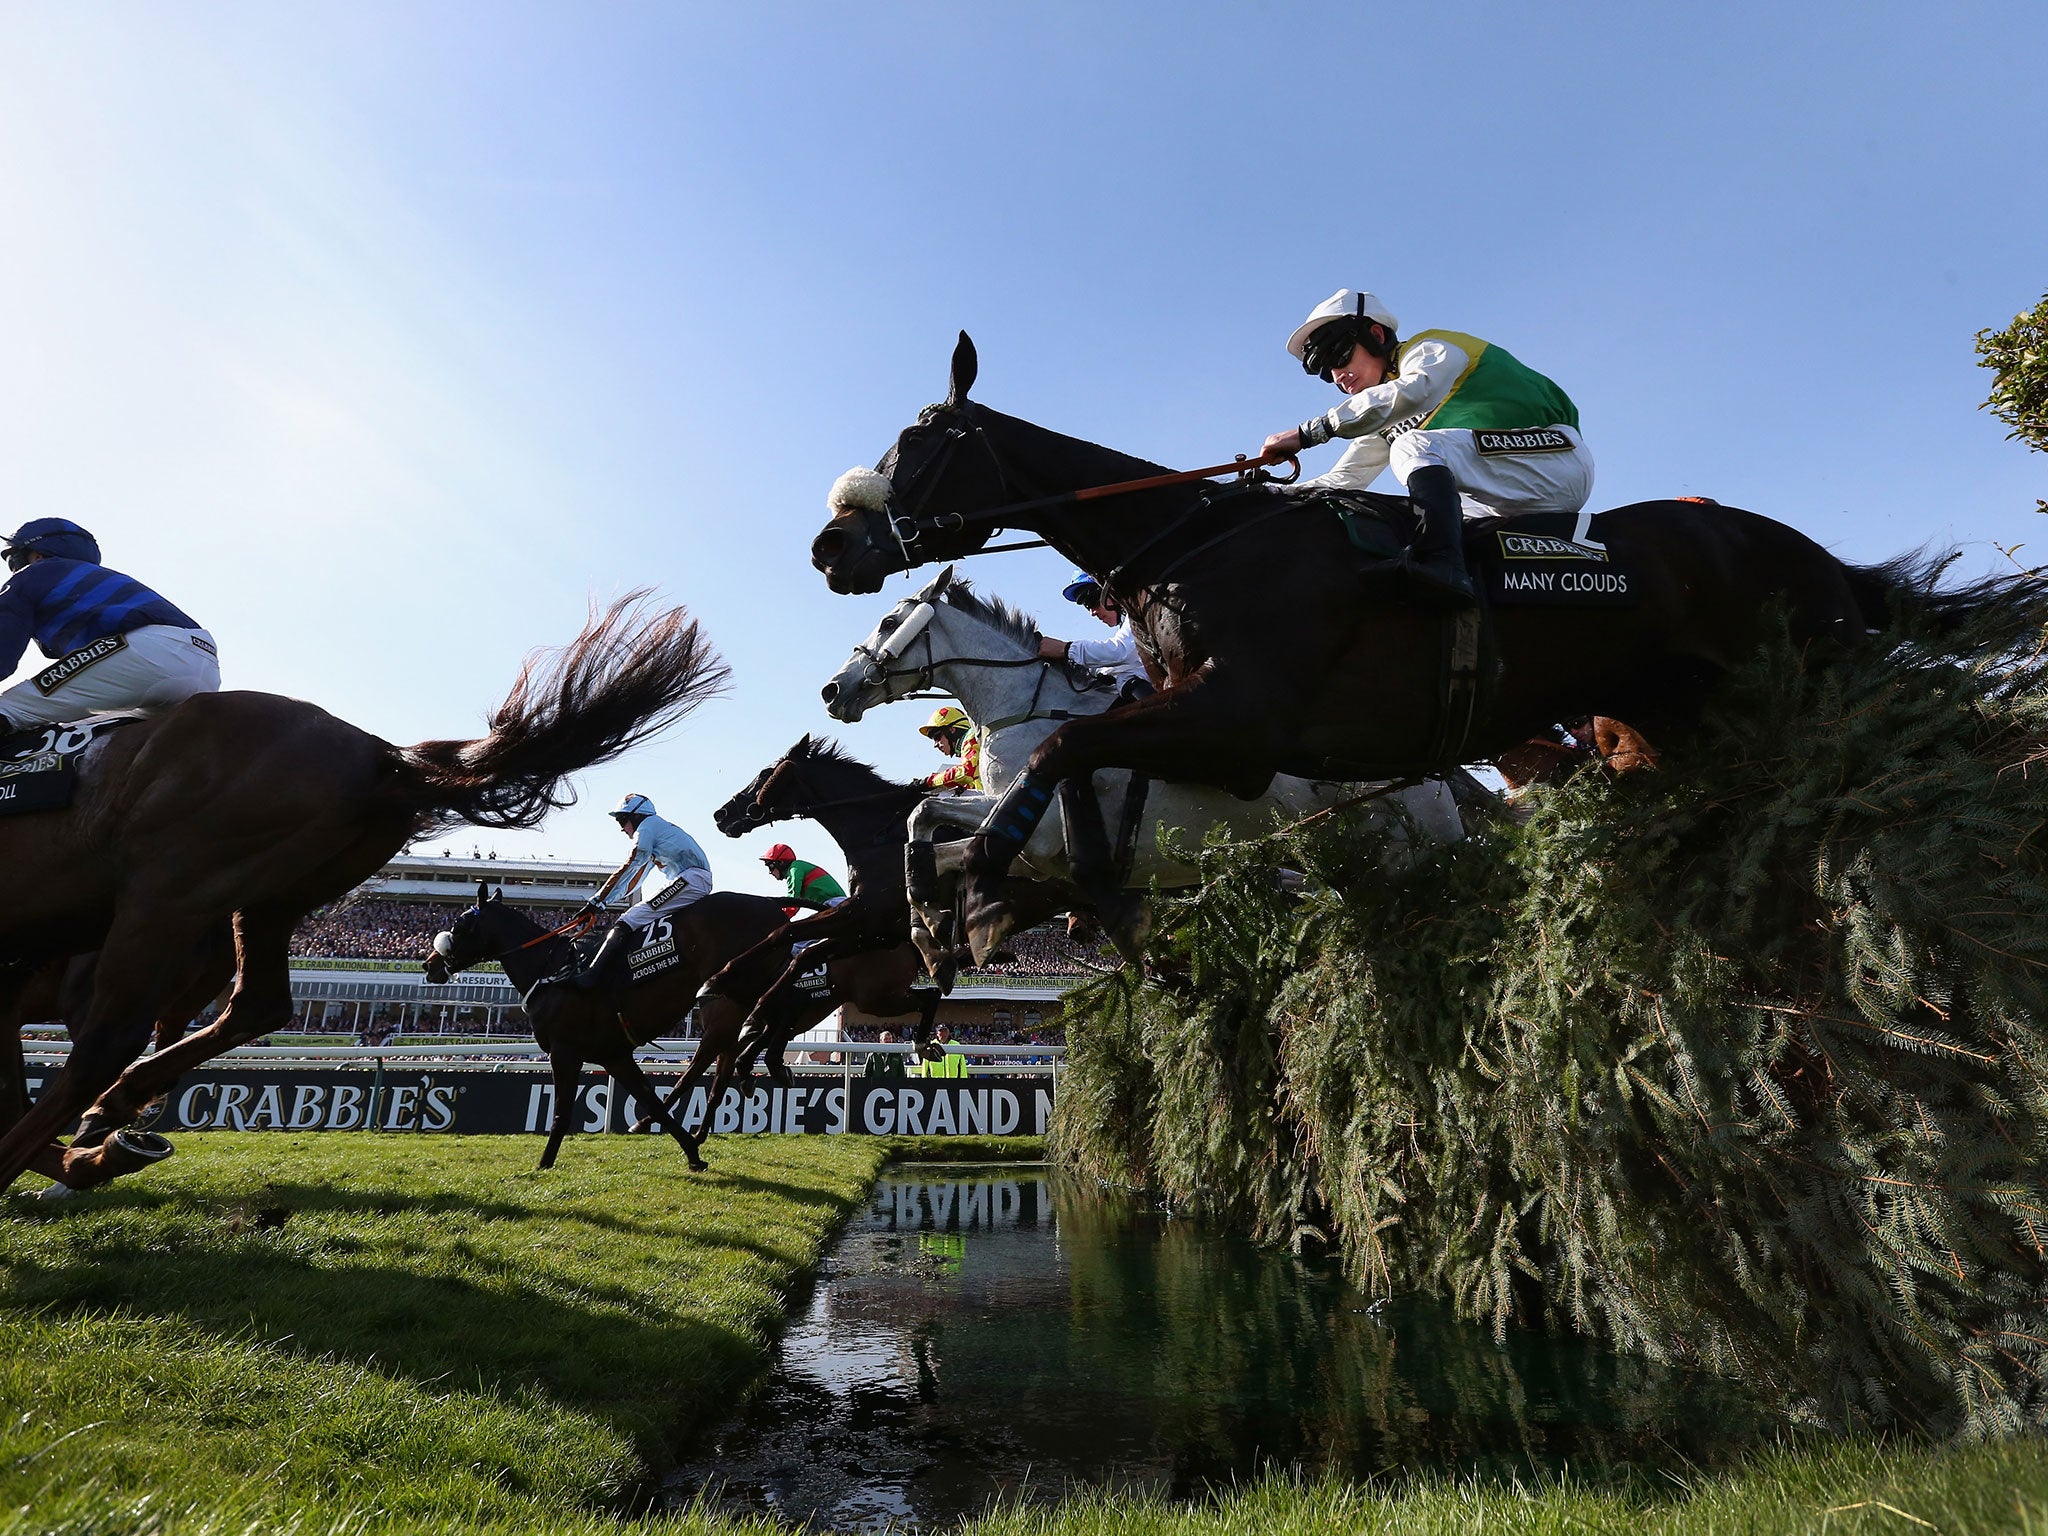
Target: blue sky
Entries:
(384, 337)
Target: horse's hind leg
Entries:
(568, 1069)
(115, 1026)
(213, 967)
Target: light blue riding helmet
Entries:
(1082, 582)
(634, 805)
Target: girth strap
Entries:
(1133, 814)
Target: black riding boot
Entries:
(1435, 563)
(607, 969)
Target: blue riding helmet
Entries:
(1081, 583)
(635, 805)
(55, 536)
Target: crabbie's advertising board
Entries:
(515, 1103)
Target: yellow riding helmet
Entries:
(947, 718)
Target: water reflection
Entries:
(999, 1334)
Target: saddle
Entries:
(39, 765)
(1547, 558)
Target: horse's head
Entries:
(881, 668)
(909, 509)
(472, 937)
(740, 815)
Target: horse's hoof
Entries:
(987, 927)
(92, 1130)
(1127, 923)
(57, 1192)
(133, 1149)
(125, 1151)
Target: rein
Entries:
(910, 526)
(575, 924)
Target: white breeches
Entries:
(154, 667)
(692, 885)
(1500, 484)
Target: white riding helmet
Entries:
(1344, 304)
(635, 805)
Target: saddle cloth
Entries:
(39, 766)
(1516, 561)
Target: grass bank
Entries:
(423, 1327)
(350, 1333)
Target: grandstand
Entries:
(356, 962)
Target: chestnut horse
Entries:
(1249, 607)
(250, 808)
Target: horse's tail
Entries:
(625, 678)
(1907, 591)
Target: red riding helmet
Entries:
(781, 853)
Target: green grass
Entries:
(357, 1333)
(423, 1326)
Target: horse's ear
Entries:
(936, 586)
(965, 366)
(498, 894)
(483, 892)
(802, 747)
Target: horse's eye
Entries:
(890, 623)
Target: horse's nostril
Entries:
(829, 693)
(827, 547)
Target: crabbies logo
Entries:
(1541, 546)
(1549, 568)
(655, 958)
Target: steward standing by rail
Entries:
(115, 644)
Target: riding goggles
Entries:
(16, 557)
(1329, 348)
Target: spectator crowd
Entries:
(382, 929)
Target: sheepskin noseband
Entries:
(859, 490)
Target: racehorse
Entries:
(576, 1027)
(984, 653)
(868, 934)
(1249, 606)
(256, 809)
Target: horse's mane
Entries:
(993, 611)
(822, 750)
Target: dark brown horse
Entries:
(868, 816)
(1249, 607)
(250, 808)
(869, 932)
(576, 1027)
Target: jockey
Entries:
(954, 734)
(1452, 414)
(661, 850)
(1117, 655)
(115, 643)
(809, 886)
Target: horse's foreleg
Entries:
(568, 1072)
(1206, 731)
(626, 1071)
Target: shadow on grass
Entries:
(602, 1325)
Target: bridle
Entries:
(908, 523)
(879, 671)
(446, 951)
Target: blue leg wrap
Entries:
(1017, 815)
